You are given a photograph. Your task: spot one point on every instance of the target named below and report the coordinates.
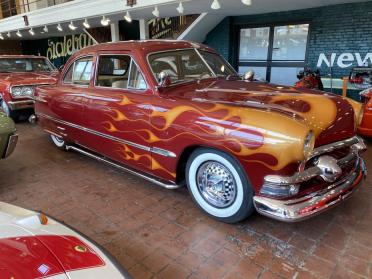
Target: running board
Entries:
(169, 186)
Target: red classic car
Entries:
(33, 245)
(365, 127)
(176, 113)
(19, 74)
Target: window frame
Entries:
(269, 63)
(73, 65)
(99, 55)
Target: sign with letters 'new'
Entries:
(344, 60)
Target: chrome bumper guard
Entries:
(15, 105)
(328, 168)
(12, 142)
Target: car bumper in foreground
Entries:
(12, 142)
(310, 205)
(18, 105)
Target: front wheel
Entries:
(59, 142)
(219, 185)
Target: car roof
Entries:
(146, 46)
(21, 56)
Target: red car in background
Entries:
(365, 127)
(19, 74)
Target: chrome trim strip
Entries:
(335, 145)
(314, 203)
(169, 186)
(155, 150)
(12, 142)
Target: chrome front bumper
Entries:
(297, 209)
(12, 142)
(17, 105)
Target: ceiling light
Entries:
(247, 2)
(8, 35)
(45, 29)
(1, 37)
(32, 32)
(72, 26)
(180, 8)
(19, 34)
(86, 24)
(59, 27)
(105, 21)
(215, 5)
(127, 17)
(156, 12)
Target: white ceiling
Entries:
(77, 10)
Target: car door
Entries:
(117, 111)
(63, 105)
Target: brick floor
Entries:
(157, 233)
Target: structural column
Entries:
(144, 29)
(115, 34)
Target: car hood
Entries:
(30, 78)
(330, 116)
(32, 250)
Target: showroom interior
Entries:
(185, 139)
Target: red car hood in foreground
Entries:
(30, 249)
(29, 78)
(330, 116)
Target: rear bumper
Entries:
(310, 205)
(18, 105)
(12, 142)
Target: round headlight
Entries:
(27, 91)
(16, 91)
(309, 143)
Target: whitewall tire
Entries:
(58, 142)
(219, 186)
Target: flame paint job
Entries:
(44, 256)
(365, 127)
(263, 126)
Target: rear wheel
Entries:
(9, 112)
(219, 185)
(58, 142)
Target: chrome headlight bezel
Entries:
(309, 144)
(20, 92)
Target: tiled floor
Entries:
(157, 233)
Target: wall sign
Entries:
(344, 60)
(66, 46)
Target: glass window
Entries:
(113, 71)
(136, 80)
(254, 43)
(285, 75)
(217, 64)
(259, 72)
(290, 42)
(26, 65)
(80, 72)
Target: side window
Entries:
(113, 71)
(136, 80)
(168, 64)
(80, 72)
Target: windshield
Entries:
(25, 65)
(188, 64)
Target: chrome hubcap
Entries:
(216, 184)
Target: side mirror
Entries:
(164, 79)
(249, 76)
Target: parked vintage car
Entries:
(19, 74)
(175, 112)
(365, 127)
(34, 245)
(8, 136)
